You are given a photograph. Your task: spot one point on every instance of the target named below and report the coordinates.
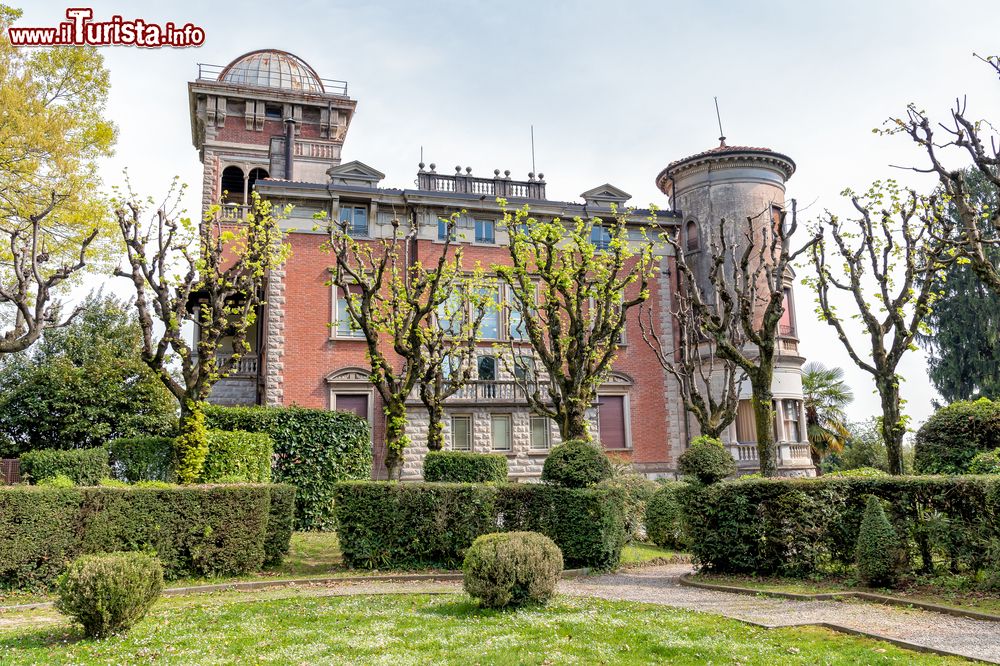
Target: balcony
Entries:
(246, 366)
(489, 392)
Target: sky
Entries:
(615, 91)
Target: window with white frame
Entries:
(524, 367)
(355, 218)
(346, 327)
(600, 237)
(461, 432)
(793, 419)
(500, 432)
(451, 313)
(540, 433)
(486, 231)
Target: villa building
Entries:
(268, 123)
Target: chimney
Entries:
(289, 146)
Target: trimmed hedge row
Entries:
(799, 526)
(143, 459)
(405, 525)
(193, 530)
(86, 467)
(465, 467)
(237, 456)
(314, 449)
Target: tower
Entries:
(735, 183)
(267, 114)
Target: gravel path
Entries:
(977, 639)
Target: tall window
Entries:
(346, 327)
(356, 218)
(232, 185)
(487, 373)
(443, 229)
(451, 312)
(461, 432)
(539, 433)
(793, 420)
(524, 367)
(500, 432)
(600, 237)
(691, 231)
(786, 325)
(485, 231)
(746, 428)
(489, 327)
(611, 415)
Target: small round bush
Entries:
(576, 463)
(109, 593)
(512, 569)
(875, 553)
(637, 491)
(987, 462)
(706, 460)
(953, 435)
(663, 517)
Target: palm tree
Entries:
(826, 395)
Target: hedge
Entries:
(465, 467)
(382, 525)
(314, 449)
(800, 526)
(237, 456)
(142, 459)
(86, 467)
(953, 435)
(193, 530)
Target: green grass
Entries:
(634, 554)
(420, 629)
(944, 591)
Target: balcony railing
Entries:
(208, 72)
(466, 183)
(484, 391)
(246, 366)
(785, 453)
(786, 330)
(232, 212)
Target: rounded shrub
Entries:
(636, 491)
(663, 517)
(465, 467)
(107, 594)
(706, 460)
(875, 553)
(953, 435)
(576, 463)
(512, 569)
(985, 462)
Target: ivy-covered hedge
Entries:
(193, 530)
(314, 449)
(953, 435)
(800, 526)
(143, 459)
(237, 456)
(465, 467)
(405, 525)
(86, 467)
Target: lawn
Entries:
(304, 628)
(953, 591)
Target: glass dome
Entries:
(270, 68)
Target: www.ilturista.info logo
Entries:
(80, 30)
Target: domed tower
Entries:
(267, 114)
(734, 183)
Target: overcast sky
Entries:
(615, 91)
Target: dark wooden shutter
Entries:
(612, 418)
(357, 403)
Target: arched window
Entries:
(232, 185)
(691, 236)
(253, 177)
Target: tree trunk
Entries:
(435, 426)
(763, 412)
(573, 421)
(893, 429)
(395, 438)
